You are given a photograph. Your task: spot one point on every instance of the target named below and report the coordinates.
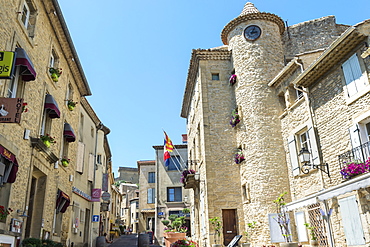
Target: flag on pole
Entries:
(168, 147)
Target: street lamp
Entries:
(304, 157)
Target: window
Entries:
(16, 85)
(53, 59)
(174, 194)
(151, 177)
(215, 76)
(65, 148)
(151, 195)
(98, 159)
(275, 232)
(299, 93)
(28, 17)
(174, 163)
(81, 128)
(301, 228)
(355, 77)
(360, 136)
(305, 138)
(246, 193)
(46, 122)
(69, 94)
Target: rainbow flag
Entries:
(168, 147)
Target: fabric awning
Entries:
(52, 105)
(63, 201)
(27, 71)
(14, 168)
(357, 183)
(69, 133)
(148, 210)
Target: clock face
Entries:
(252, 32)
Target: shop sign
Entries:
(7, 60)
(10, 110)
(105, 196)
(81, 193)
(95, 195)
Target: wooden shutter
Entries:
(275, 232)
(301, 228)
(80, 157)
(293, 155)
(351, 221)
(313, 143)
(354, 133)
(355, 80)
(90, 176)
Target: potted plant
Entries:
(282, 219)
(65, 161)
(355, 168)
(313, 238)
(239, 156)
(235, 118)
(232, 79)
(176, 230)
(4, 212)
(47, 140)
(55, 73)
(216, 223)
(248, 233)
(184, 243)
(71, 104)
(184, 174)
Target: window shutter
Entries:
(351, 221)
(178, 194)
(293, 155)
(150, 195)
(275, 232)
(349, 77)
(314, 147)
(80, 157)
(359, 78)
(91, 168)
(354, 133)
(301, 228)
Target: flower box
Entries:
(355, 168)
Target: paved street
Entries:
(125, 240)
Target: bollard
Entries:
(143, 240)
(100, 241)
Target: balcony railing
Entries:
(358, 154)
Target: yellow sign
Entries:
(6, 64)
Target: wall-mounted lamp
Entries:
(304, 157)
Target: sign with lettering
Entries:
(95, 195)
(81, 193)
(7, 60)
(11, 110)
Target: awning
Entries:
(63, 201)
(27, 71)
(353, 184)
(68, 133)
(52, 105)
(14, 168)
(148, 210)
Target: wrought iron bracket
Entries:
(306, 167)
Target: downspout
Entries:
(311, 117)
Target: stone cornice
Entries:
(63, 36)
(253, 16)
(196, 56)
(333, 55)
(286, 71)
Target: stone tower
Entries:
(254, 38)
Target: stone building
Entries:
(128, 174)
(49, 198)
(170, 195)
(253, 104)
(128, 191)
(147, 194)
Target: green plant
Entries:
(282, 218)
(177, 224)
(48, 138)
(312, 231)
(186, 210)
(32, 242)
(71, 104)
(216, 223)
(248, 232)
(4, 212)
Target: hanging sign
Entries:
(11, 110)
(7, 60)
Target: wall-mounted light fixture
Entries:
(304, 157)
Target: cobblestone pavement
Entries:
(125, 240)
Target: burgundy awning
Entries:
(27, 71)
(52, 105)
(14, 169)
(68, 133)
(63, 201)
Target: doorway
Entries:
(229, 225)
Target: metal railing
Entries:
(357, 154)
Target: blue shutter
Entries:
(351, 221)
(355, 80)
(293, 155)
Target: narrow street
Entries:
(125, 240)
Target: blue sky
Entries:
(136, 53)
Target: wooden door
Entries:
(229, 229)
